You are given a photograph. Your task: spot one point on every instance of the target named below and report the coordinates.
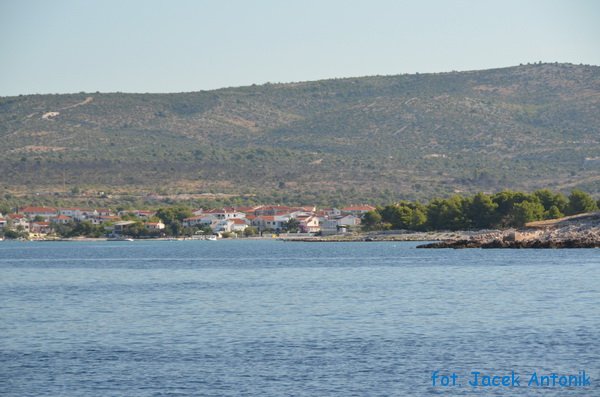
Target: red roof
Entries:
(42, 210)
(220, 210)
(249, 209)
(62, 217)
(16, 216)
(359, 208)
(238, 221)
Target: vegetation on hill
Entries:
(480, 211)
(371, 139)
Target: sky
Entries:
(67, 46)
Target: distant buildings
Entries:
(264, 218)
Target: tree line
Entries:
(480, 211)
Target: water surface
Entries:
(269, 318)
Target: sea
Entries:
(275, 318)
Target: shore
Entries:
(578, 231)
(381, 236)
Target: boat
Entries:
(211, 238)
(119, 239)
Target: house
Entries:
(142, 214)
(339, 224)
(357, 210)
(155, 225)
(119, 228)
(103, 212)
(61, 219)
(225, 213)
(3, 223)
(198, 221)
(105, 218)
(330, 212)
(273, 210)
(348, 220)
(74, 213)
(40, 227)
(249, 210)
(239, 225)
(309, 224)
(44, 212)
(222, 226)
(19, 221)
(270, 222)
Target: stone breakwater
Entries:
(580, 231)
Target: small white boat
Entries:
(119, 239)
(211, 238)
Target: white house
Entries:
(273, 222)
(239, 225)
(61, 219)
(348, 220)
(155, 225)
(309, 224)
(336, 224)
(225, 213)
(78, 214)
(199, 221)
(19, 220)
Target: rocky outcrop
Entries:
(582, 231)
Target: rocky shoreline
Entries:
(380, 236)
(579, 231)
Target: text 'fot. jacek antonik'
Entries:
(510, 379)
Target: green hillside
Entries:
(358, 139)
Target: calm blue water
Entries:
(268, 318)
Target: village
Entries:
(46, 223)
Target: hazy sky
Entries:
(175, 45)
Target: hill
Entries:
(371, 138)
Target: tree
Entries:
(173, 217)
(403, 215)
(550, 199)
(5, 208)
(250, 231)
(172, 214)
(580, 202)
(398, 216)
(292, 225)
(553, 213)
(446, 214)
(14, 234)
(481, 211)
(506, 200)
(371, 220)
(526, 211)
